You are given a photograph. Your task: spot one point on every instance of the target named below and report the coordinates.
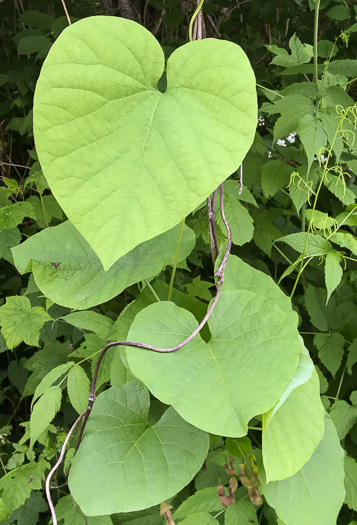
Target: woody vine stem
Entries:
(196, 32)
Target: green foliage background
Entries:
(303, 126)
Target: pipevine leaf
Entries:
(20, 322)
(67, 270)
(126, 464)
(295, 423)
(351, 483)
(220, 385)
(78, 388)
(319, 486)
(100, 115)
(242, 512)
(344, 417)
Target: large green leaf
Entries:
(126, 464)
(67, 270)
(295, 426)
(125, 161)
(314, 495)
(219, 386)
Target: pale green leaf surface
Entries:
(333, 272)
(98, 113)
(67, 270)
(344, 416)
(78, 388)
(330, 348)
(351, 483)
(20, 322)
(205, 500)
(92, 321)
(316, 245)
(199, 518)
(44, 411)
(241, 512)
(315, 494)
(121, 450)
(219, 386)
(293, 428)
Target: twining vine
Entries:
(196, 32)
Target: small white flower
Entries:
(281, 142)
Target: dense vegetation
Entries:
(258, 443)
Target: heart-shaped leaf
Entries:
(219, 386)
(125, 161)
(67, 270)
(315, 494)
(294, 427)
(126, 464)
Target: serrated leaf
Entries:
(44, 411)
(242, 512)
(67, 270)
(345, 67)
(294, 427)
(78, 386)
(199, 518)
(330, 348)
(203, 500)
(315, 494)
(333, 272)
(28, 513)
(351, 483)
(316, 244)
(16, 486)
(49, 379)
(300, 54)
(239, 220)
(312, 136)
(133, 453)
(352, 356)
(92, 321)
(344, 416)
(9, 239)
(11, 216)
(163, 153)
(346, 240)
(301, 187)
(252, 321)
(321, 313)
(338, 188)
(275, 176)
(20, 322)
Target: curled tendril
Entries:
(302, 184)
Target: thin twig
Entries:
(57, 464)
(66, 12)
(212, 234)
